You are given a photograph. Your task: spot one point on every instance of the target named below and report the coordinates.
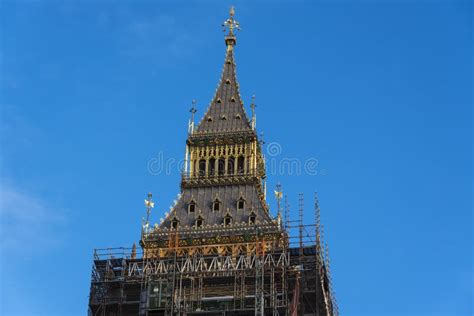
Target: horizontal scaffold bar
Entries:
(158, 266)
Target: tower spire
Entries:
(226, 111)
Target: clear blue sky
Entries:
(378, 92)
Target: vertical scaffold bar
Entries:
(300, 219)
(300, 232)
(259, 278)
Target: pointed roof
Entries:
(226, 111)
(228, 196)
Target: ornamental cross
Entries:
(254, 118)
(253, 105)
(278, 195)
(231, 23)
(149, 205)
(193, 111)
(278, 192)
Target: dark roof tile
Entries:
(226, 102)
(228, 195)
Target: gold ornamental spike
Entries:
(230, 24)
(149, 204)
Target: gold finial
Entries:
(231, 24)
(193, 111)
(149, 205)
(278, 196)
(254, 117)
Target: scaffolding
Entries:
(288, 275)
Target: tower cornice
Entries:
(222, 137)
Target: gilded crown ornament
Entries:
(231, 24)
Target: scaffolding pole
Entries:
(256, 276)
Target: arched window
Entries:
(240, 165)
(216, 205)
(199, 221)
(221, 167)
(252, 218)
(175, 223)
(240, 204)
(227, 220)
(192, 207)
(230, 165)
(212, 166)
(202, 167)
